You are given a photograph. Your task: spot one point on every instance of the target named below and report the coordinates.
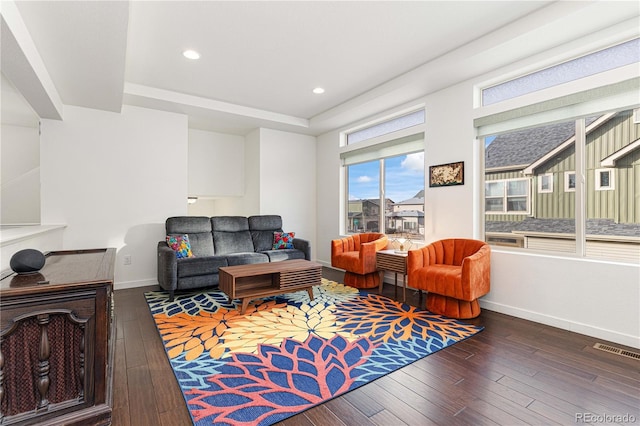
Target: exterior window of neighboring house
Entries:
(613, 57)
(570, 181)
(604, 180)
(507, 196)
(545, 183)
(384, 167)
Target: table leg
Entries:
(396, 286)
(404, 289)
(310, 291)
(245, 303)
(381, 282)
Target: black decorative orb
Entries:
(27, 261)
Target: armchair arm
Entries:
(368, 251)
(417, 259)
(476, 273)
(303, 246)
(167, 267)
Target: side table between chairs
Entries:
(393, 261)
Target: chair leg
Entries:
(453, 308)
(371, 280)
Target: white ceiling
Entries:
(261, 60)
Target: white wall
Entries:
(330, 195)
(288, 181)
(216, 164)
(250, 203)
(449, 210)
(279, 177)
(20, 175)
(113, 179)
(597, 298)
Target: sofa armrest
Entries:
(304, 246)
(167, 267)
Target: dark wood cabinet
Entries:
(57, 341)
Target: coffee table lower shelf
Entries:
(247, 282)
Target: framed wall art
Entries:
(446, 174)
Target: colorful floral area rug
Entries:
(288, 354)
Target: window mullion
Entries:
(383, 206)
(580, 147)
(505, 188)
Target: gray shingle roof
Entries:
(406, 213)
(411, 201)
(526, 146)
(565, 226)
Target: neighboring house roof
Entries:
(411, 201)
(590, 125)
(375, 201)
(610, 161)
(406, 213)
(564, 226)
(524, 147)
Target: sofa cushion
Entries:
(234, 259)
(262, 228)
(199, 281)
(231, 234)
(180, 245)
(194, 266)
(199, 230)
(283, 240)
(284, 254)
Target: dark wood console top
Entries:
(63, 269)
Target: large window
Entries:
(603, 148)
(400, 211)
(385, 177)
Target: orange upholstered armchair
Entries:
(356, 254)
(454, 272)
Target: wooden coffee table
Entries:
(247, 282)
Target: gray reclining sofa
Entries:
(220, 241)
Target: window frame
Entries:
(567, 188)
(608, 91)
(540, 179)
(384, 144)
(598, 180)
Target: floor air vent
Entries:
(617, 351)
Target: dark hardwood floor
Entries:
(514, 372)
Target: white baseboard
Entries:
(134, 284)
(586, 329)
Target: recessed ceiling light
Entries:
(191, 54)
(318, 90)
